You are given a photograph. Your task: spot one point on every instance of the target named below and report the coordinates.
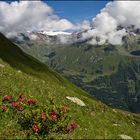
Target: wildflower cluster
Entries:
(39, 119)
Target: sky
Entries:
(77, 11)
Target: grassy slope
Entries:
(97, 63)
(95, 119)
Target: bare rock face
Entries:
(76, 100)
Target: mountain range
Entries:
(108, 72)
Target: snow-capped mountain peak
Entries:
(52, 33)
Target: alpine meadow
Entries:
(69, 70)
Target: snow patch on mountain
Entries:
(51, 33)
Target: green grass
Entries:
(95, 120)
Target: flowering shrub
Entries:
(3, 107)
(40, 120)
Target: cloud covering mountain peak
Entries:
(116, 13)
(38, 16)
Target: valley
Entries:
(101, 70)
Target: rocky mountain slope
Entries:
(91, 67)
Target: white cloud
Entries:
(85, 25)
(125, 13)
(115, 38)
(116, 13)
(30, 15)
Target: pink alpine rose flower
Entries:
(43, 117)
(35, 128)
(21, 98)
(6, 98)
(14, 104)
(3, 107)
(30, 101)
(73, 125)
(52, 115)
(68, 130)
